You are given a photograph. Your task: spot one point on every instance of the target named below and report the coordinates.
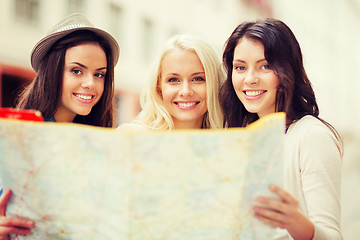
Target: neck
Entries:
(178, 125)
(60, 116)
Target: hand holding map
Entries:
(80, 182)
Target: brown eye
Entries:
(76, 71)
(99, 75)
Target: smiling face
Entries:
(83, 81)
(254, 82)
(183, 88)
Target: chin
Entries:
(251, 110)
(84, 112)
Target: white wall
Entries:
(329, 34)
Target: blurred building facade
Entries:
(140, 26)
(328, 32)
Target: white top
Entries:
(313, 175)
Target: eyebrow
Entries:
(197, 73)
(169, 74)
(83, 66)
(176, 74)
(242, 61)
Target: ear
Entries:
(158, 90)
(158, 86)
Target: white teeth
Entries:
(188, 104)
(253, 93)
(85, 97)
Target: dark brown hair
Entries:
(44, 92)
(295, 95)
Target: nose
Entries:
(251, 78)
(186, 89)
(88, 81)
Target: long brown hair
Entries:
(44, 92)
(295, 95)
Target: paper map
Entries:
(81, 182)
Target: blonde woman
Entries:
(183, 90)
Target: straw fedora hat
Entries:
(73, 22)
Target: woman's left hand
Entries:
(12, 225)
(284, 213)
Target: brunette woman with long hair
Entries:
(265, 74)
(74, 65)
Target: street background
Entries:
(328, 32)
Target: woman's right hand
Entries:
(285, 214)
(12, 225)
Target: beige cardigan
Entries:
(312, 174)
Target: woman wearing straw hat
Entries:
(74, 82)
(73, 51)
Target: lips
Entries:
(187, 105)
(85, 98)
(254, 93)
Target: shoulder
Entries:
(307, 125)
(310, 131)
(51, 119)
(132, 127)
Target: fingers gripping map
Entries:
(80, 182)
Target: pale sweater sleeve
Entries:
(320, 173)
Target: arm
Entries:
(13, 225)
(284, 214)
(314, 180)
(321, 181)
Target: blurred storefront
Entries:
(12, 81)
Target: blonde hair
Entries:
(154, 114)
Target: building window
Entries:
(27, 11)
(76, 6)
(147, 28)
